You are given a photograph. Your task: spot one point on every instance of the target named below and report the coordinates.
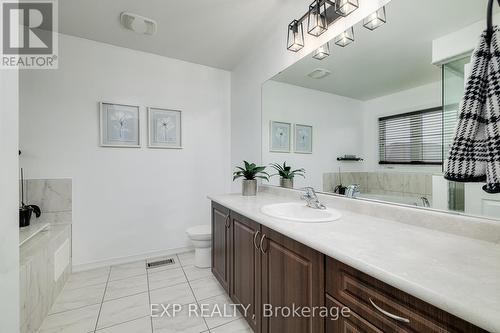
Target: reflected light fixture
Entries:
(295, 40)
(317, 22)
(345, 38)
(322, 52)
(375, 20)
(345, 7)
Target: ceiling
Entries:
(215, 33)
(395, 57)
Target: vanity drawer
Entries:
(386, 307)
(352, 324)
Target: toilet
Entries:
(201, 236)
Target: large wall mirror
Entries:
(374, 117)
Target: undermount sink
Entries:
(299, 212)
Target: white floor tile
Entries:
(87, 278)
(223, 304)
(126, 287)
(71, 299)
(178, 294)
(182, 322)
(81, 320)
(123, 309)
(186, 259)
(127, 270)
(142, 325)
(206, 288)
(166, 278)
(237, 326)
(195, 273)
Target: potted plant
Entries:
(250, 174)
(287, 174)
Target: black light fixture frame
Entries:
(316, 9)
(294, 27)
(330, 18)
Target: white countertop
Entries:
(457, 274)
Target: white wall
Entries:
(336, 126)
(262, 64)
(126, 201)
(419, 98)
(9, 218)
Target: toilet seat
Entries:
(200, 232)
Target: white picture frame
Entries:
(164, 128)
(280, 137)
(303, 137)
(119, 125)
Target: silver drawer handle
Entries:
(262, 241)
(255, 239)
(390, 315)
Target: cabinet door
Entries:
(220, 244)
(292, 275)
(245, 267)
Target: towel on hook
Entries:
(492, 117)
(474, 154)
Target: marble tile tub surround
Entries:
(54, 196)
(118, 299)
(448, 222)
(37, 287)
(455, 273)
(414, 184)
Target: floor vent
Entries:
(163, 262)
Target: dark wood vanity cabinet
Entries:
(384, 307)
(245, 266)
(292, 275)
(221, 244)
(259, 266)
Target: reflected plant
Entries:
(286, 172)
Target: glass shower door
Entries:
(454, 75)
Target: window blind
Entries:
(412, 138)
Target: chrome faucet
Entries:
(312, 199)
(353, 191)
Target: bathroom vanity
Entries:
(394, 277)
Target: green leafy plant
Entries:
(251, 172)
(286, 172)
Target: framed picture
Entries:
(303, 139)
(164, 128)
(119, 125)
(280, 137)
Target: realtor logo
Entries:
(29, 34)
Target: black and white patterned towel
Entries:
(475, 152)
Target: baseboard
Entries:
(128, 259)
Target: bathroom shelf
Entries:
(352, 159)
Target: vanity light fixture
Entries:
(375, 20)
(322, 52)
(345, 7)
(345, 38)
(295, 40)
(317, 22)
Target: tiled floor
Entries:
(117, 300)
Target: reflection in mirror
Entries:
(372, 114)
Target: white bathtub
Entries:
(413, 201)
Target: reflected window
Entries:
(412, 138)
